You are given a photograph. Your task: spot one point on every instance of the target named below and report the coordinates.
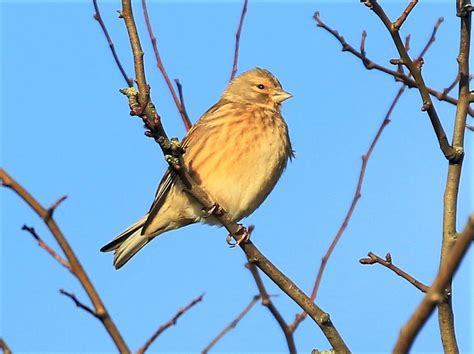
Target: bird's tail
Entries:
(128, 243)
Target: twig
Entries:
(435, 294)
(168, 324)
(431, 40)
(181, 98)
(369, 64)
(44, 246)
(399, 22)
(387, 262)
(53, 207)
(449, 152)
(267, 302)
(78, 303)
(357, 194)
(5, 348)
(232, 324)
(237, 40)
(237, 231)
(98, 18)
(75, 265)
(451, 86)
(159, 64)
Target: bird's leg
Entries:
(244, 237)
(215, 209)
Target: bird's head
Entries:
(256, 86)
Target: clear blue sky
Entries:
(66, 130)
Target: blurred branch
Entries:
(141, 105)
(357, 195)
(387, 262)
(4, 347)
(78, 303)
(98, 18)
(414, 67)
(168, 324)
(237, 40)
(232, 324)
(74, 264)
(369, 64)
(44, 246)
(267, 302)
(435, 294)
(159, 63)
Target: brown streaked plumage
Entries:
(236, 151)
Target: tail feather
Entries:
(128, 243)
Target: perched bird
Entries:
(236, 151)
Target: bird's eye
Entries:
(261, 86)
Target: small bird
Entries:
(236, 152)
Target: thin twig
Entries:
(237, 40)
(74, 264)
(78, 303)
(431, 40)
(168, 324)
(5, 348)
(451, 86)
(436, 293)
(267, 302)
(370, 64)
(44, 246)
(232, 324)
(387, 262)
(159, 64)
(399, 22)
(53, 207)
(98, 18)
(181, 99)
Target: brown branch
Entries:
(181, 99)
(237, 231)
(237, 40)
(78, 303)
(431, 40)
(44, 246)
(369, 65)
(232, 324)
(435, 294)
(451, 86)
(449, 152)
(159, 64)
(98, 18)
(5, 348)
(357, 195)
(53, 207)
(168, 324)
(387, 262)
(267, 302)
(74, 264)
(399, 22)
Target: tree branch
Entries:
(74, 264)
(168, 324)
(435, 294)
(399, 22)
(232, 324)
(5, 348)
(237, 40)
(387, 262)
(78, 303)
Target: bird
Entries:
(236, 151)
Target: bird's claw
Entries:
(244, 237)
(215, 209)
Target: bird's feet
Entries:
(215, 210)
(243, 234)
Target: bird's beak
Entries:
(281, 95)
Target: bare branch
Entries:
(5, 348)
(74, 264)
(53, 207)
(431, 40)
(181, 98)
(237, 40)
(79, 304)
(232, 324)
(168, 324)
(399, 22)
(387, 262)
(98, 18)
(44, 246)
(435, 294)
(159, 64)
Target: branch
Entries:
(387, 262)
(237, 40)
(267, 302)
(357, 195)
(98, 18)
(78, 303)
(74, 264)
(44, 246)
(399, 22)
(232, 324)
(435, 294)
(369, 64)
(5, 348)
(168, 324)
(237, 231)
(449, 152)
(159, 64)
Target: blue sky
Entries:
(66, 130)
